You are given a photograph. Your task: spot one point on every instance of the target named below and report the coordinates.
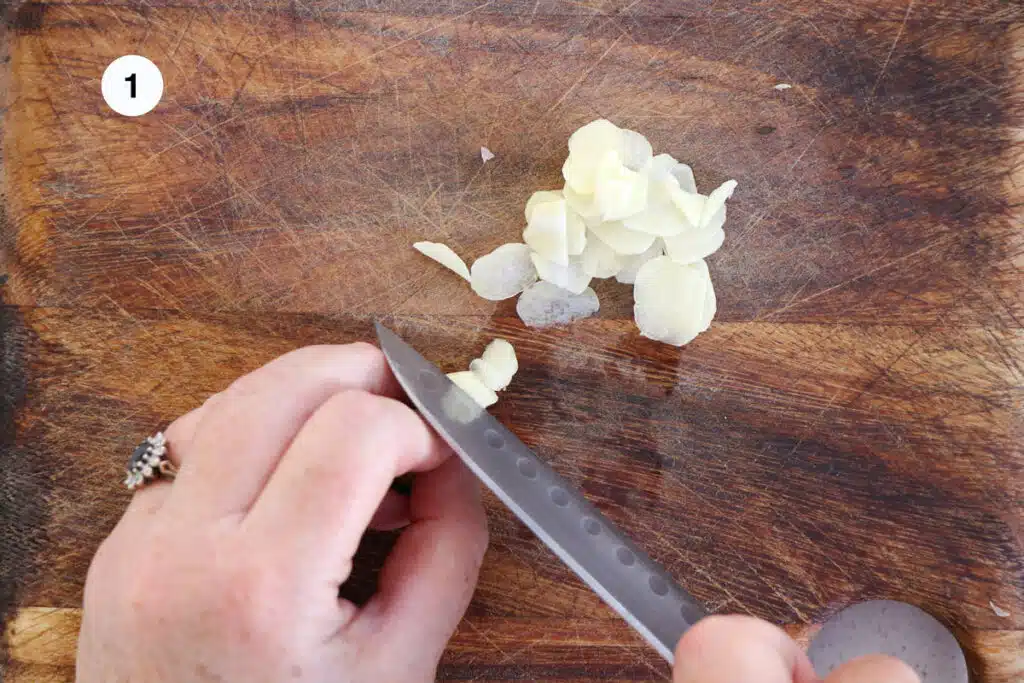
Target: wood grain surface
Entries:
(849, 428)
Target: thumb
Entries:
(736, 649)
(873, 669)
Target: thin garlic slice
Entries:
(716, 221)
(544, 304)
(716, 201)
(579, 174)
(691, 204)
(672, 301)
(636, 150)
(582, 204)
(474, 387)
(444, 255)
(621, 239)
(710, 305)
(593, 139)
(600, 260)
(631, 264)
(694, 245)
(666, 165)
(503, 273)
(661, 216)
(575, 232)
(541, 197)
(497, 366)
(684, 176)
(546, 234)
(587, 146)
(618, 191)
(572, 277)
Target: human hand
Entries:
(737, 649)
(231, 572)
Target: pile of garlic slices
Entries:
(623, 213)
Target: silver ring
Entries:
(149, 462)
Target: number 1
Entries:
(131, 79)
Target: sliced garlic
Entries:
(631, 264)
(546, 234)
(636, 150)
(579, 175)
(589, 144)
(666, 165)
(572, 277)
(716, 201)
(716, 221)
(503, 273)
(544, 304)
(474, 387)
(661, 216)
(621, 239)
(600, 260)
(672, 300)
(694, 245)
(444, 255)
(710, 304)
(618, 191)
(539, 198)
(691, 204)
(575, 232)
(582, 204)
(595, 138)
(684, 176)
(497, 366)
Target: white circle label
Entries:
(132, 85)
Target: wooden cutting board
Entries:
(849, 428)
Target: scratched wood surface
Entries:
(849, 428)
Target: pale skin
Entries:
(230, 574)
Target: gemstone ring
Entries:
(149, 462)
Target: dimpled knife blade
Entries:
(623, 576)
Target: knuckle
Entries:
(365, 350)
(369, 410)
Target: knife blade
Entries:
(622, 574)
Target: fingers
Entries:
(240, 439)
(873, 669)
(392, 513)
(179, 433)
(429, 578)
(737, 649)
(327, 487)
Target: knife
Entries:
(629, 581)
